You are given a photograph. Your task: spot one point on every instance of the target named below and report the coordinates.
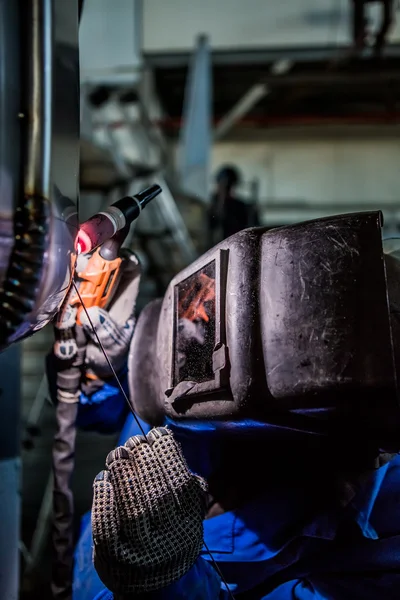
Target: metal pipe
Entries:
(40, 264)
(38, 154)
(240, 110)
(251, 56)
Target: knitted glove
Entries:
(147, 515)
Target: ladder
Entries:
(120, 124)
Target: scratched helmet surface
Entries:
(286, 331)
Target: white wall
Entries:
(332, 171)
(173, 25)
(112, 32)
(109, 41)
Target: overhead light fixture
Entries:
(281, 66)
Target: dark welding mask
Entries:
(285, 331)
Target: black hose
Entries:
(63, 501)
(64, 376)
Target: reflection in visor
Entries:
(195, 327)
(192, 304)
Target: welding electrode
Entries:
(105, 224)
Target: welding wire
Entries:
(108, 360)
(214, 563)
(216, 567)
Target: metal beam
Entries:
(138, 28)
(196, 134)
(254, 57)
(319, 79)
(275, 216)
(240, 109)
(280, 205)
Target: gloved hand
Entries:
(147, 515)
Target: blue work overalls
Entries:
(267, 550)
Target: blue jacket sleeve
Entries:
(200, 583)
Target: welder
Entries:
(228, 213)
(273, 472)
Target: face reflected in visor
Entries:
(195, 327)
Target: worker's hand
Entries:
(114, 327)
(147, 515)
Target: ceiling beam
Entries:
(329, 78)
(240, 110)
(259, 56)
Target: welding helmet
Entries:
(291, 331)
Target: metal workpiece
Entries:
(9, 126)
(32, 216)
(38, 106)
(44, 114)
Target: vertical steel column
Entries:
(196, 136)
(10, 501)
(138, 29)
